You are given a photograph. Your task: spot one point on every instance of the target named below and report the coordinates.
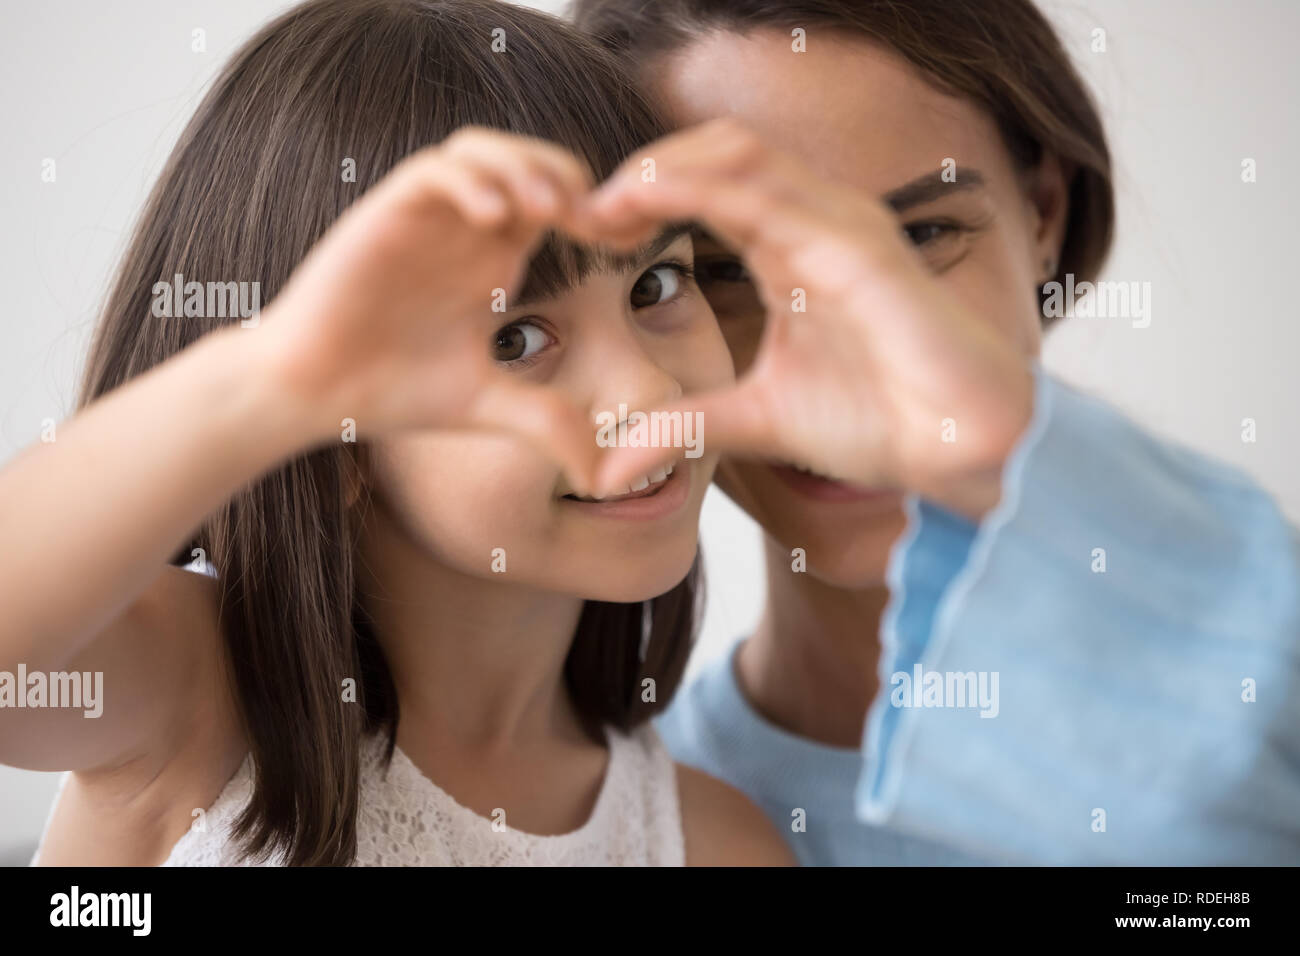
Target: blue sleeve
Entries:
(1106, 669)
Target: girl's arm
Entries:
(386, 321)
(89, 520)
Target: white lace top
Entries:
(405, 819)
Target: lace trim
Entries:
(405, 819)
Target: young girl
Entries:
(975, 493)
(420, 639)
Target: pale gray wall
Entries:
(1189, 88)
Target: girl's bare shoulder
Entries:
(723, 827)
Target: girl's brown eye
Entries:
(517, 342)
(656, 285)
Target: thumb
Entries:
(544, 418)
(731, 419)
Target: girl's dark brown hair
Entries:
(253, 183)
(1001, 54)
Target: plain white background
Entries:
(1188, 88)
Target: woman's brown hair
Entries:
(255, 180)
(1001, 54)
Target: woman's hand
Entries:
(388, 320)
(885, 380)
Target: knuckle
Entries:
(727, 126)
(467, 138)
(739, 135)
(747, 153)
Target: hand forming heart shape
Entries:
(857, 385)
(882, 367)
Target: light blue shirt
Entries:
(1131, 612)
(805, 788)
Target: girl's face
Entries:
(635, 337)
(859, 114)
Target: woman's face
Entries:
(860, 115)
(635, 337)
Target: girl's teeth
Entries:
(642, 483)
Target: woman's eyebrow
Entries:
(930, 187)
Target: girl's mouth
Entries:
(655, 495)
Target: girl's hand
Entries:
(388, 320)
(860, 385)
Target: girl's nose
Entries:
(629, 380)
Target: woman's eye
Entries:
(658, 285)
(721, 270)
(519, 342)
(923, 232)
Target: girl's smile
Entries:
(654, 496)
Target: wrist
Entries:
(972, 496)
(278, 408)
(977, 490)
(304, 398)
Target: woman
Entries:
(1142, 710)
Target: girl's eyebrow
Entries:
(644, 255)
(930, 187)
(602, 261)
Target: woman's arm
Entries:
(1140, 607)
